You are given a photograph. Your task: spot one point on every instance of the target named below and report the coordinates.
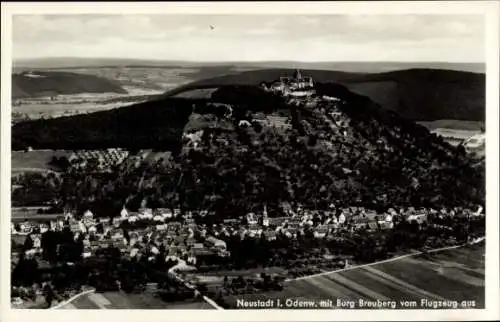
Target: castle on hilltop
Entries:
(296, 86)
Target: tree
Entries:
(28, 243)
(49, 294)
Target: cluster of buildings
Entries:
(323, 223)
(149, 230)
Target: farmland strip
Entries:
(403, 284)
(85, 303)
(358, 288)
(332, 286)
(99, 300)
(408, 293)
(375, 282)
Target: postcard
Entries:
(250, 161)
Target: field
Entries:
(137, 82)
(455, 136)
(453, 124)
(37, 160)
(201, 93)
(455, 275)
(117, 300)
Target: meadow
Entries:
(36, 160)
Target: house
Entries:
(191, 260)
(198, 246)
(201, 252)
(386, 225)
(213, 242)
(361, 223)
(270, 235)
(158, 218)
(179, 239)
(54, 224)
(373, 225)
(117, 234)
(419, 218)
(145, 216)
(75, 227)
(104, 220)
(190, 241)
(251, 218)
(330, 98)
(253, 228)
(154, 250)
(151, 287)
(87, 252)
(321, 231)
(36, 239)
(146, 211)
(172, 228)
(277, 221)
(124, 213)
(88, 214)
(134, 251)
(164, 212)
(161, 227)
(26, 228)
(231, 221)
(175, 250)
(44, 228)
(132, 218)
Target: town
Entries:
(168, 223)
(148, 233)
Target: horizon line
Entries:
(250, 61)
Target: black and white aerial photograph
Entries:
(250, 161)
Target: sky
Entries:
(308, 38)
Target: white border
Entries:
(490, 9)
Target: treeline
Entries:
(55, 83)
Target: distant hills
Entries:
(49, 83)
(363, 67)
(419, 94)
(416, 94)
